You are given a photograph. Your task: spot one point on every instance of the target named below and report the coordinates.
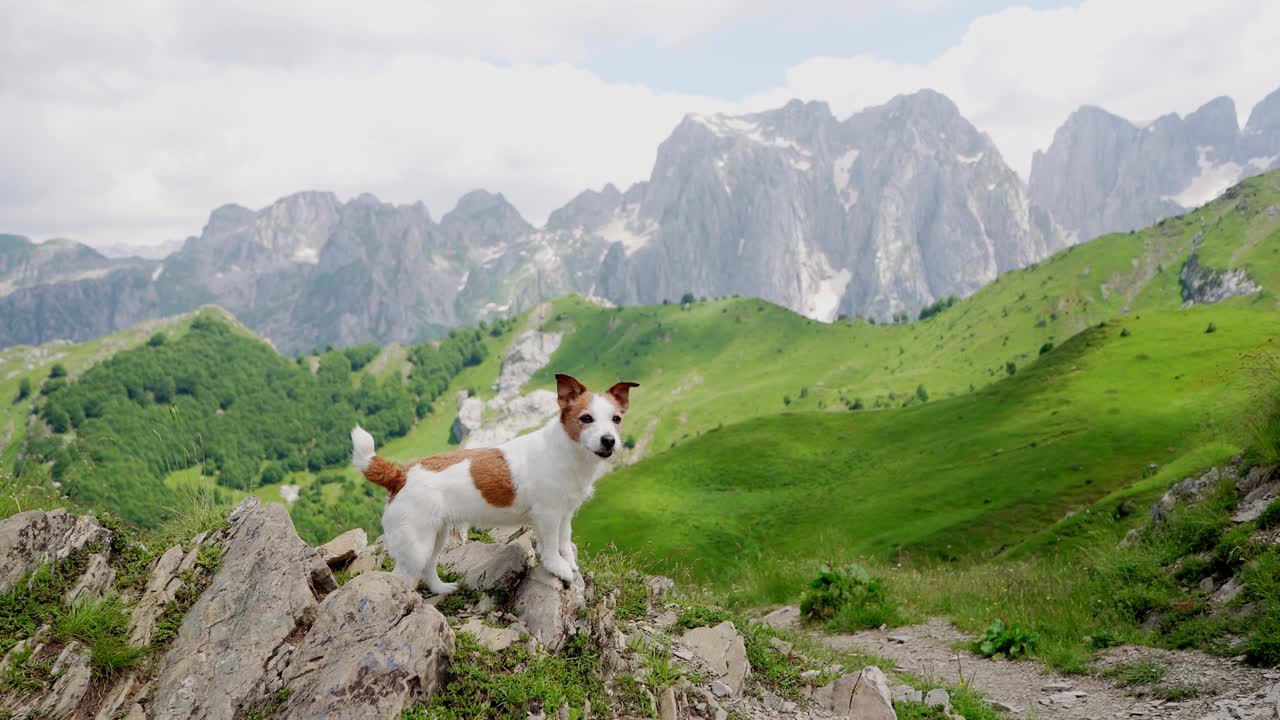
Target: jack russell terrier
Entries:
(541, 479)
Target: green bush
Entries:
(24, 389)
(848, 599)
(1006, 641)
(1270, 517)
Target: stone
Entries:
(772, 701)
(660, 588)
(938, 697)
(74, 676)
(1207, 585)
(720, 689)
(723, 650)
(1064, 698)
(823, 696)
(783, 618)
(667, 704)
(34, 537)
(366, 560)
(665, 619)
(549, 609)
(1254, 479)
(267, 588)
(870, 699)
(842, 692)
(1004, 707)
(160, 590)
(900, 639)
(493, 638)
(1251, 510)
(906, 693)
(344, 548)
(375, 647)
(116, 700)
(781, 645)
(1057, 687)
(93, 583)
(487, 566)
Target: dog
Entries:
(540, 479)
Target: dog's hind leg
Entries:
(430, 572)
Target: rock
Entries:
(74, 676)
(781, 645)
(1057, 687)
(723, 650)
(783, 618)
(160, 590)
(906, 693)
(31, 538)
(823, 697)
(870, 699)
(493, 638)
(93, 583)
(469, 418)
(1251, 510)
(808, 676)
(771, 701)
(1004, 707)
(1254, 479)
(1207, 585)
(116, 700)
(265, 592)
(720, 689)
(1065, 698)
(485, 566)
(507, 533)
(366, 559)
(660, 588)
(1187, 490)
(1229, 591)
(549, 609)
(842, 693)
(375, 647)
(938, 697)
(667, 704)
(900, 639)
(343, 549)
(665, 619)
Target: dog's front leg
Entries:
(547, 527)
(568, 550)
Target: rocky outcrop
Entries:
(486, 424)
(1205, 286)
(724, 652)
(242, 624)
(374, 647)
(34, 537)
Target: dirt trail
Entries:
(1229, 690)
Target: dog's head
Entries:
(593, 420)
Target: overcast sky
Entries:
(127, 122)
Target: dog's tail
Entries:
(376, 470)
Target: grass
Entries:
(1146, 672)
(103, 626)
(963, 478)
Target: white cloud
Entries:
(1017, 74)
(129, 122)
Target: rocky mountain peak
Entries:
(1265, 117)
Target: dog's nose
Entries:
(607, 442)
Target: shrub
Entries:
(1271, 516)
(1011, 367)
(157, 340)
(849, 599)
(922, 393)
(24, 389)
(58, 370)
(1006, 641)
(1046, 348)
(1212, 328)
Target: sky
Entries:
(127, 123)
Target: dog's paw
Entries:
(562, 570)
(445, 588)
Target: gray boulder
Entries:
(723, 651)
(74, 676)
(266, 590)
(31, 538)
(374, 648)
(487, 566)
(548, 609)
(343, 549)
(93, 583)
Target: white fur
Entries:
(552, 475)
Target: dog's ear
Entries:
(620, 392)
(568, 389)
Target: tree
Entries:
(922, 393)
(157, 340)
(1010, 367)
(1046, 348)
(687, 299)
(58, 370)
(24, 389)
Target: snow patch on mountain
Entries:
(627, 228)
(970, 159)
(1213, 179)
(840, 177)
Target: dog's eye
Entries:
(616, 419)
(587, 419)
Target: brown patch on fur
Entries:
(385, 473)
(569, 414)
(621, 394)
(489, 472)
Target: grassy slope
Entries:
(970, 475)
(721, 362)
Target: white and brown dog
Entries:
(541, 478)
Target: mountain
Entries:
(146, 252)
(1103, 173)
(879, 214)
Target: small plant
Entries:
(1147, 672)
(1124, 332)
(1046, 348)
(1006, 641)
(701, 615)
(1270, 517)
(848, 599)
(1178, 693)
(1211, 329)
(480, 536)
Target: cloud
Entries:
(128, 123)
(1017, 74)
